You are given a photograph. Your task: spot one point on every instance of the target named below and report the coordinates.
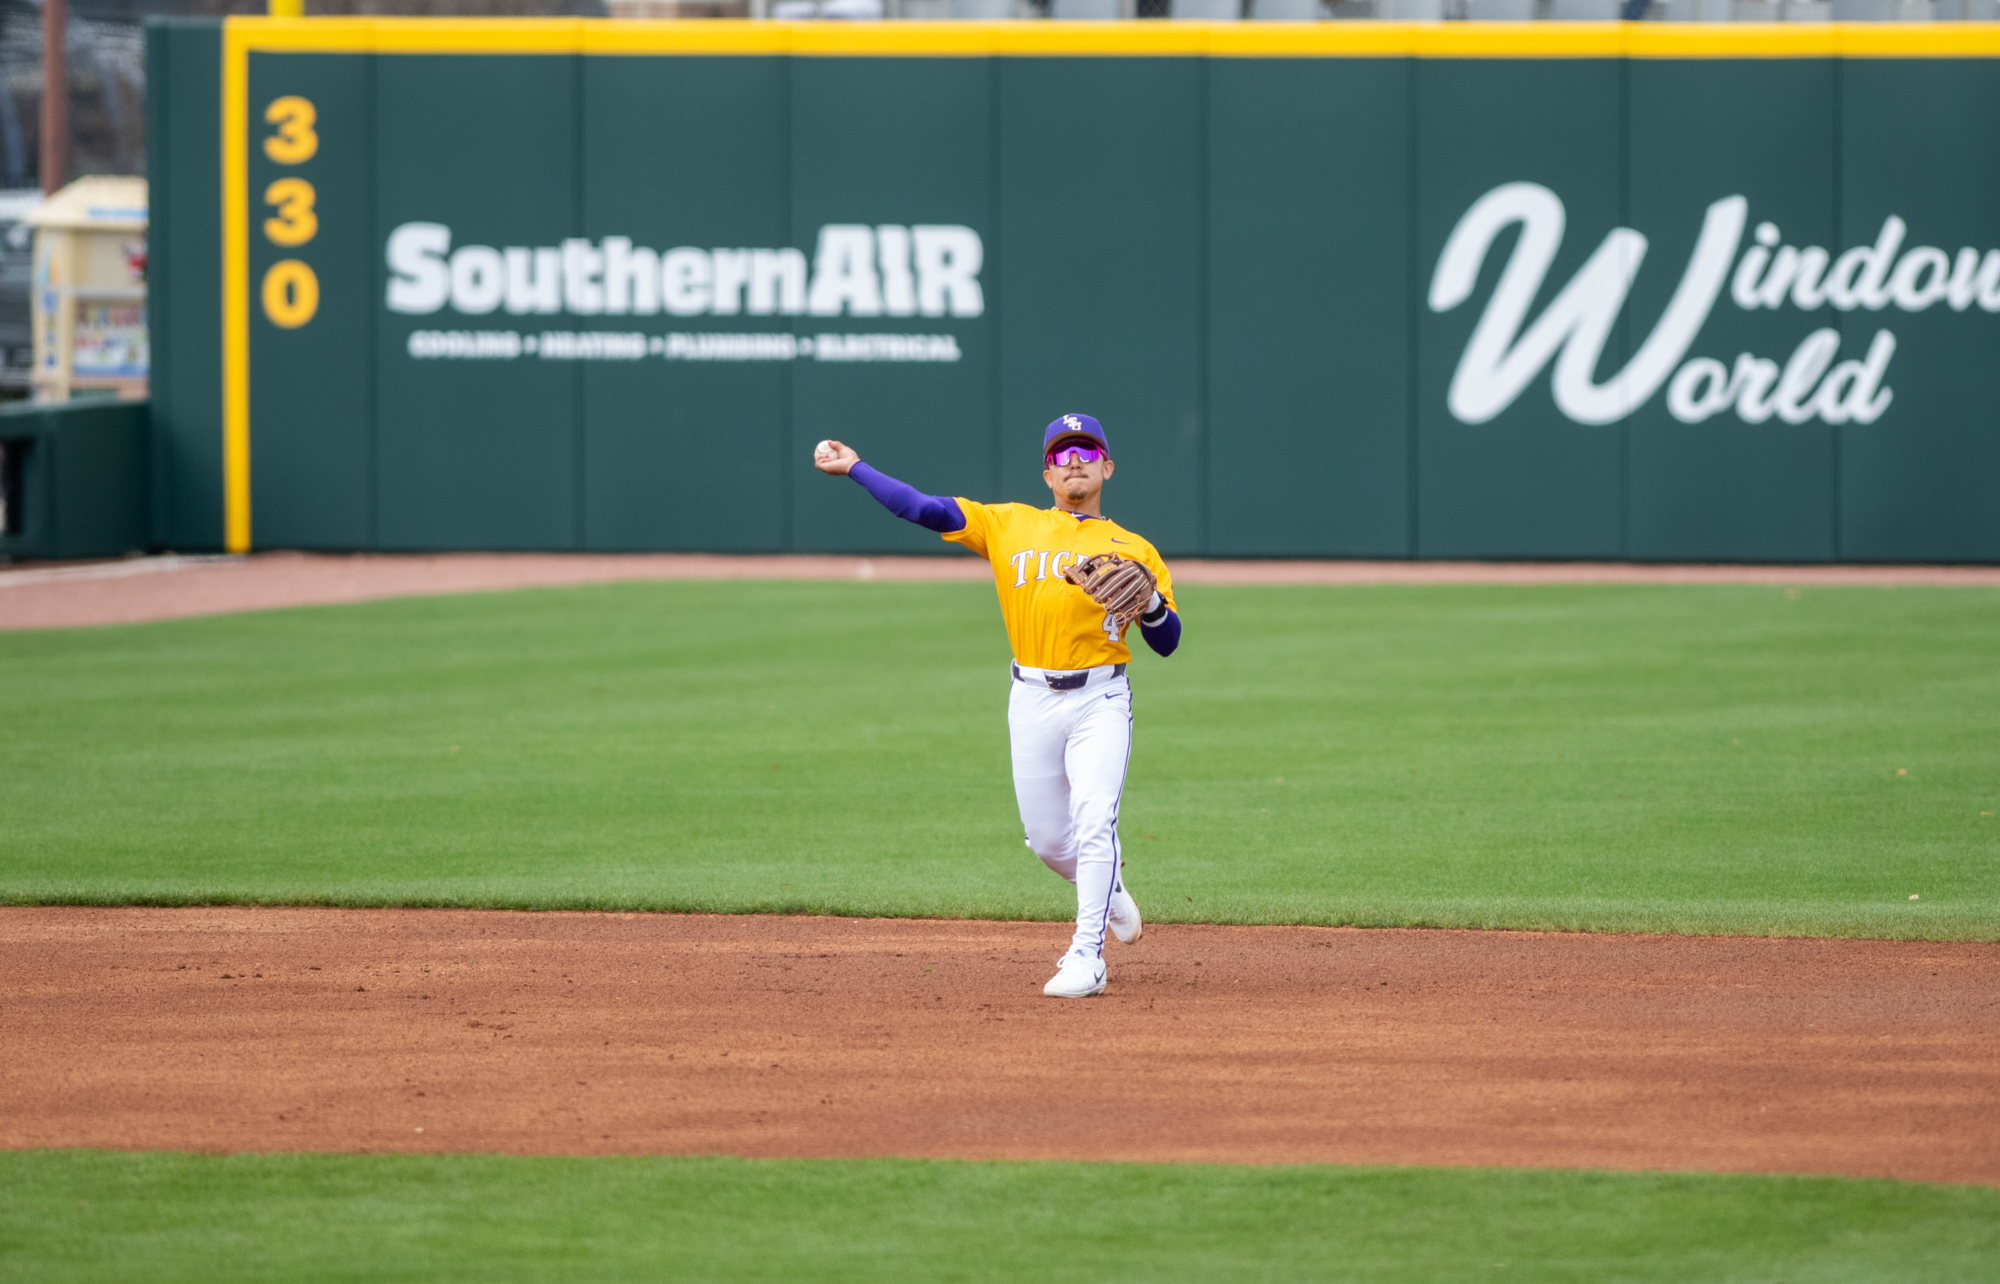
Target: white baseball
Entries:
(824, 450)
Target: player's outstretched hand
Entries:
(834, 458)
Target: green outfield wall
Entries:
(1349, 289)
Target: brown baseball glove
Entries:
(1121, 587)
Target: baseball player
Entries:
(1070, 582)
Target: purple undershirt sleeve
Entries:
(934, 512)
(1164, 636)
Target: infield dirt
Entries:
(227, 1029)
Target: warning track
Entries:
(170, 587)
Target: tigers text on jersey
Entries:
(1051, 623)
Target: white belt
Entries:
(1068, 679)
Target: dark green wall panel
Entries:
(184, 279)
(1530, 482)
(312, 390)
(1101, 209)
(159, 128)
(1724, 489)
(1228, 260)
(1309, 297)
(684, 454)
(477, 454)
(84, 484)
(902, 142)
(1919, 141)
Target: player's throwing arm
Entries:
(1071, 582)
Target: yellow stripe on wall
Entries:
(1119, 39)
(1919, 39)
(235, 293)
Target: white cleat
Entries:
(1078, 976)
(1124, 916)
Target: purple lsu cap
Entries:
(1075, 426)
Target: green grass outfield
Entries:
(94, 1215)
(1662, 758)
(1691, 759)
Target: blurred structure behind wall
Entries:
(106, 46)
(107, 91)
(107, 135)
(107, 69)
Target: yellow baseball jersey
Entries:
(1051, 623)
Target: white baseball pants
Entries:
(1070, 750)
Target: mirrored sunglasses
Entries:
(1065, 455)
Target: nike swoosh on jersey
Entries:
(1120, 541)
